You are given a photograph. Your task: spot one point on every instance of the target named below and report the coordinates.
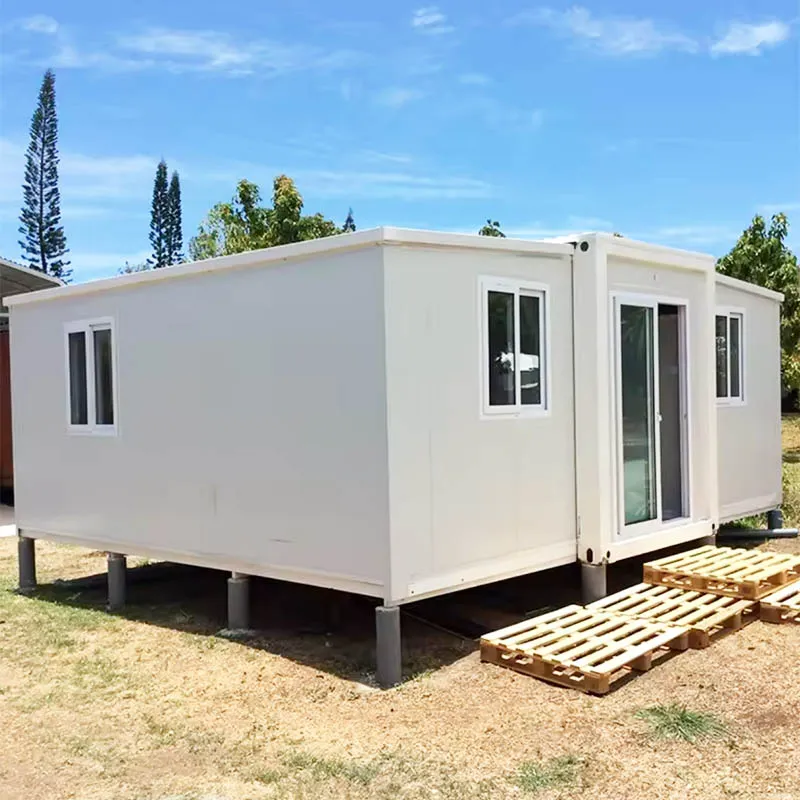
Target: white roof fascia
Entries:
(751, 288)
(299, 250)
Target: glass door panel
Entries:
(639, 413)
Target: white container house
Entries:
(397, 413)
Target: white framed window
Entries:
(515, 367)
(729, 341)
(91, 376)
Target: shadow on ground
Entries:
(334, 631)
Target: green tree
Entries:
(159, 218)
(244, 224)
(761, 256)
(174, 228)
(44, 244)
(129, 268)
(491, 229)
(349, 223)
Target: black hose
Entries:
(737, 533)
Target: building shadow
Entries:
(334, 631)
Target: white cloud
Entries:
(500, 116)
(474, 79)
(694, 235)
(39, 23)
(430, 20)
(216, 51)
(398, 185)
(182, 50)
(613, 36)
(392, 158)
(353, 184)
(397, 97)
(750, 39)
(779, 208)
(80, 176)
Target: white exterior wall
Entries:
(608, 266)
(472, 499)
(251, 421)
(749, 434)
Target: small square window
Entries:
(514, 348)
(91, 379)
(728, 332)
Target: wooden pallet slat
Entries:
(728, 571)
(704, 615)
(782, 605)
(582, 648)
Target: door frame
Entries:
(652, 301)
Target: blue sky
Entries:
(672, 122)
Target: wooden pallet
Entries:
(783, 605)
(584, 649)
(730, 571)
(705, 615)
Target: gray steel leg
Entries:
(388, 654)
(117, 573)
(593, 582)
(238, 602)
(775, 519)
(26, 558)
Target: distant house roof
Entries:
(17, 279)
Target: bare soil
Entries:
(154, 704)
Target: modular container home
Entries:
(14, 279)
(397, 413)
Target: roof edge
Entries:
(7, 262)
(746, 286)
(295, 251)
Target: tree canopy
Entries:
(44, 245)
(491, 228)
(244, 224)
(761, 256)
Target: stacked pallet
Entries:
(685, 601)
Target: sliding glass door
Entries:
(638, 411)
(651, 413)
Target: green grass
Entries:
(563, 771)
(327, 768)
(675, 721)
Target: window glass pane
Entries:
(78, 400)
(500, 316)
(735, 336)
(530, 351)
(722, 356)
(103, 378)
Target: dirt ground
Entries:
(153, 704)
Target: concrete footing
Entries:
(26, 561)
(593, 582)
(388, 651)
(707, 541)
(238, 602)
(117, 574)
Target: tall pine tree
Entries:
(349, 223)
(44, 245)
(159, 219)
(174, 221)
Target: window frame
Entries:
(729, 312)
(87, 327)
(516, 287)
